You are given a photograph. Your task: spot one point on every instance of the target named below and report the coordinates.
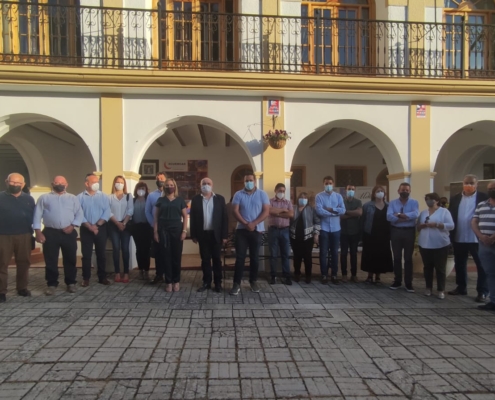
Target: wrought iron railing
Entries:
(50, 34)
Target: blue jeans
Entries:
(245, 239)
(120, 240)
(461, 253)
(329, 241)
(487, 258)
(278, 241)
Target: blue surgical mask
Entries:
(350, 193)
(303, 202)
(328, 188)
(249, 185)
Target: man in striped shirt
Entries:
(483, 225)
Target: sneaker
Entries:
(3, 298)
(487, 307)
(235, 289)
(324, 280)
(441, 295)
(481, 298)
(335, 280)
(71, 288)
(409, 289)
(457, 292)
(354, 279)
(50, 290)
(288, 281)
(343, 279)
(273, 280)
(428, 292)
(254, 287)
(395, 285)
(24, 293)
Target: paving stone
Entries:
(14, 390)
(224, 389)
(66, 371)
(253, 370)
(190, 389)
(97, 370)
(352, 387)
(161, 371)
(290, 388)
(154, 390)
(30, 372)
(47, 391)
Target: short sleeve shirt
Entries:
(350, 226)
(170, 211)
(251, 206)
(485, 213)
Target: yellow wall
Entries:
(112, 139)
(273, 159)
(419, 129)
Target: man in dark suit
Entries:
(209, 228)
(464, 241)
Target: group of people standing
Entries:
(158, 222)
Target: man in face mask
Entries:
(483, 225)
(209, 228)
(402, 214)
(281, 211)
(16, 218)
(61, 212)
(96, 210)
(153, 197)
(464, 241)
(349, 234)
(251, 207)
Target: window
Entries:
(346, 175)
(477, 40)
(197, 33)
(335, 33)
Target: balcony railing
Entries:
(54, 35)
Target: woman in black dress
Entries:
(377, 254)
(170, 230)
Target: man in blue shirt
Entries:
(96, 209)
(402, 214)
(251, 208)
(153, 197)
(329, 207)
(61, 213)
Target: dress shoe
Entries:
(324, 280)
(273, 280)
(457, 292)
(24, 293)
(156, 279)
(50, 290)
(204, 287)
(308, 280)
(287, 281)
(218, 288)
(481, 298)
(85, 283)
(487, 307)
(297, 277)
(71, 288)
(343, 279)
(105, 282)
(335, 280)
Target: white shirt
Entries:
(434, 238)
(121, 208)
(208, 213)
(464, 232)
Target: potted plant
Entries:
(276, 138)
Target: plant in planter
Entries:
(276, 138)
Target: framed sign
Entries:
(148, 169)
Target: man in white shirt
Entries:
(464, 241)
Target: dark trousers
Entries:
(435, 260)
(487, 257)
(142, 234)
(403, 241)
(57, 240)
(329, 252)
(461, 253)
(210, 251)
(88, 239)
(120, 241)
(349, 243)
(20, 247)
(159, 263)
(278, 242)
(170, 259)
(302, 250)
(245, 240)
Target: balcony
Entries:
(99, 37)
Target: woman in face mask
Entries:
(304, 233)
(170, 230)
(122, 208)
(141, 231)
(376, 257)
(433, 226)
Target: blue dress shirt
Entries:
(330, 222)
(95, 207)
(410, 209)
(58, 211)
(150, 206)
(251, 206)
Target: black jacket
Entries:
(220, 221)
(454, 203)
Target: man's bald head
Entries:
(59, 180)
(15, 177)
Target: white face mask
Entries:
(141, 193)
(206, 188)
(379, 195)
(280, 195)
(119, 186)
(95, 187)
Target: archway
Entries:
(382, 180)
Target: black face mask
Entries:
(15, 189)
(170, 190)
(159, 183)
(491, 193)
(59, 188)
(404, 195)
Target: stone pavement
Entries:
(353, 341)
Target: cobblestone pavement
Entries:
(353, 341)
